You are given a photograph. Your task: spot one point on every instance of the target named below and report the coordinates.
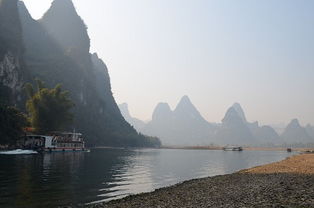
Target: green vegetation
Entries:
(49, 109)
(12, 122)
(149, 141)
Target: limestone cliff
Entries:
(11, 51)
(55, 49)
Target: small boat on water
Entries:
(233, 148)
(54, 142)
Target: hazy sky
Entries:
(258, 53)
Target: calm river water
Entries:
(60, 179)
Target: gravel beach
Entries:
(289, 183)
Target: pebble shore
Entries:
(289, 183)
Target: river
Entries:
(77, 178)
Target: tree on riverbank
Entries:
(48, 109)
(12, 122)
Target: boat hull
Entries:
(48, 150)
(232, 149)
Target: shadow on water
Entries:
(57, 179)
(76, 178)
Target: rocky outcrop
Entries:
(9, 71)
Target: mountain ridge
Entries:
(234, 129)
(182, 126)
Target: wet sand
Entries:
(289, 183)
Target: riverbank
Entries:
(298, 164)
(288, 183)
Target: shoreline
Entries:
(296, 149)
(287, 183)
(247, 148)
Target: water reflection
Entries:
(59, 179)
(135, 174)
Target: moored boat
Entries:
(54, 142)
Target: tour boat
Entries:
(233, 148)
(55, 142)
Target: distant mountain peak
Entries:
(295, 133)
(65, 8)
(64, 24)
(185, 98)
(161, 111)
(163, 107)
(186, 109)
(294, 124)
(234, 129)
(63, 4)
(185, 103)
(231, 115)
(236, 104)
(239, 110)
(61, 9)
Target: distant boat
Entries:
(233, 148)
(55, 142)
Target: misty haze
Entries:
(150, 103)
